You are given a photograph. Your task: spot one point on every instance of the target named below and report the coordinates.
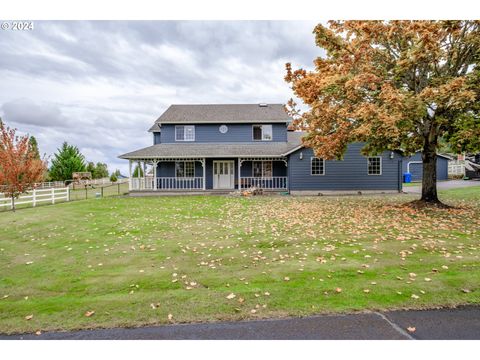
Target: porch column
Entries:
(129, 175)
(145, 174)
(204, 174)
(155, 163)
(239, 173)
(139, 169)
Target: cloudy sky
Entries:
(101, 85)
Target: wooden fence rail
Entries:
(37, 196)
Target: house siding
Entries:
(416, 169)
(347, 174)
(209, 133)
(167, 169)
(156, 138)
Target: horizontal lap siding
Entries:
(209, 133)
(417, 169)
(347, 174)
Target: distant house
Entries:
(204, 148)
(414, 165)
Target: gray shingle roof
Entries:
(222, 113)
(217, 150)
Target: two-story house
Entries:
(237, 146)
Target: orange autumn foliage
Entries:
(20, 169)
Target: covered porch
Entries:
(208, 174)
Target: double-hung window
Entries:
(317, 166)
(185, 169)
(185, 133)
(374, 165)
(262, 169)
(262, 132)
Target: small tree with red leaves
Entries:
(20, 168)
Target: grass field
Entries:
(139, 261)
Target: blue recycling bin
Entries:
(407, 177)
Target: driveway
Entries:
(443, 185)
(461, 323)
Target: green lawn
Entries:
(134, 261)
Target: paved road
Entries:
(443, 185)
(460, 323)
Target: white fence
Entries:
(456, 167)
(37, 196)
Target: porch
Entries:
(208, 174)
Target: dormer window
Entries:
(185, 133)
(262, 133)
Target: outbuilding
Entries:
(414, 166)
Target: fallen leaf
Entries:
(231, 296)
(286, 278)
(415, 296)
(38, 332)
(89, 313)
(170, 317)
(29, 317)
(466, 291)
(338, 290)
(366, 291)
(411, 329)
(428, 279)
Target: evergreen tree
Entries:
(33, 146)
(67, 160)
(135, 172)
(101, 171)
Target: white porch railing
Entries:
(167, 183)
(274, 182)
(36, 196)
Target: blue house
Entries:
(200, 148)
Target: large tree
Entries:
(395, 85)
(20, 168)
(66, 161)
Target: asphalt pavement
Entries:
(462, 323)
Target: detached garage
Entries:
(414, 166)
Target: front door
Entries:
(223, 174)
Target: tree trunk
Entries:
(13, 203)
(429, 178)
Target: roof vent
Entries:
(263, 105)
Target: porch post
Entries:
(139, 168)
(155, 163)
(204, 174)
(145, 174)
(129, 175)
(239, 177)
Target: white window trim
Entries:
(184, 133)
(311, 167)
(261, 127)
(184, 177)
(263, 169)
(381, 165)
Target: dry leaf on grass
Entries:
(29, 317)
(231, 296)
(89, 313)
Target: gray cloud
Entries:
(100, 84)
